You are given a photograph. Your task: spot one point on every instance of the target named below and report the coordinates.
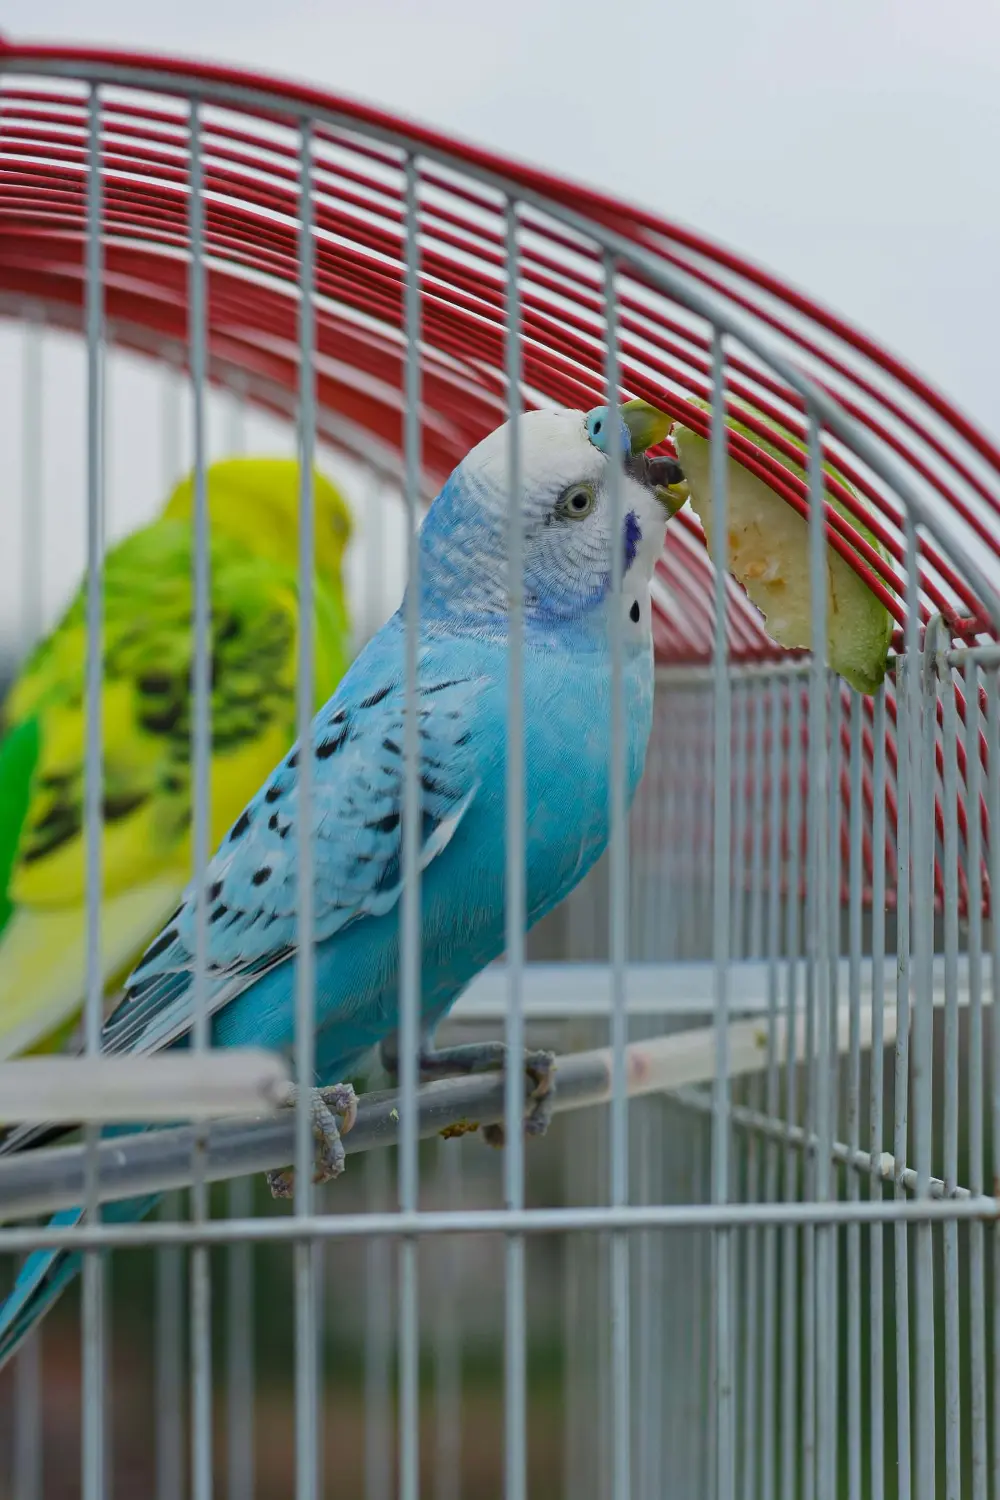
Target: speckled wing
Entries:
(357, 799)
(146, 708)
(146, 752)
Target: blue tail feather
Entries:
(46, 1274)
(43, 1278)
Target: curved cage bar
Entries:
(807, 868)
(249, 147)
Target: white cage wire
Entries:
(756, 1255)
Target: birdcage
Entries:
(756, 1253)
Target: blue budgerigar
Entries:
(356, 748)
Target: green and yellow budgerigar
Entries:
(148, 648)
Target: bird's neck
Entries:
(589, 632)
(464, 587)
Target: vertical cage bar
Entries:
(240, 1349)
(169, 1362)
(649, 1419)
(876, 1103)
(409, 1008)
(740, 713)
(977, 1270)
(650, 1312)
(837, 771)
(856, 877)
(202, 730)
(94, 1457)
(901, 1076)
(448, 1339)
(790, 1406)
(574, 1254)
(760, 699)
(32, 495)
(618, 871)
(169, 1336)
(813, 1163)
(201, 1347)
(28, 1370)
(923, 699)
(723, 1401)
(711, 1426)
(775, 814)
(704, 843)
(306, 1251)
(952, 1356)
(378, 1338)
(755, 698)
(810, 1311)
(687, 769)
(515, 911)
(818, 958)
(993, 821)
(239, 1205)
(701, 1335)
(751, 1333)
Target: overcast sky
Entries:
(851, 147)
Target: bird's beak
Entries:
(664, 476)
(646, 426)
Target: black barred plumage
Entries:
(254, 879)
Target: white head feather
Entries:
(566, 510)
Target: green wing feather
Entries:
(147, 704)
(18, 758)
(148, 653)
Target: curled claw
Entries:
(326, 1104)
(485, 1057)
(540, 1068)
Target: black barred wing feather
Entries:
(357, 802)
(148, 655)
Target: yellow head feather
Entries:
(256, 502)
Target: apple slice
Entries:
(769, 556)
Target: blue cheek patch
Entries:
(633, 536)
(600, 425)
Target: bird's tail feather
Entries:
(46, 1274)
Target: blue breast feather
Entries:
(357, 801)
(355, 755)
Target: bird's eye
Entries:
(577, 502)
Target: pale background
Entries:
(852, 148)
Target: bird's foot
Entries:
(540, 1067)
(326, 1105)
(487, 1057)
